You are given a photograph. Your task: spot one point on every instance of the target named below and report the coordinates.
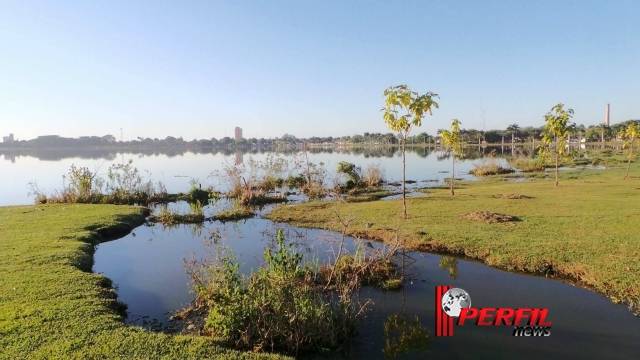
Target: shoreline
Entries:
(54, 306)
(529, 257)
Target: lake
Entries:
(176, 168)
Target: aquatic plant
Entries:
(527, 164)
(373, 175)
(488, 166)
(280, 307)
(236, 213)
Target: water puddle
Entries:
(147, 266)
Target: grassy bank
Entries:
(52, 306)
(587, 228)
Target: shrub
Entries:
(351, 171)
(373, 175)
(251, 183)
(280, 307)
(125, 186)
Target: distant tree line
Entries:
(512, 134)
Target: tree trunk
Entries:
(404, 197)
(453, 172)
(512, 138)
(629, 162)
(556, 169)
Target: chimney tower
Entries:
(606, 119)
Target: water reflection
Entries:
(403, 335)
(451, 264)
(471, 152)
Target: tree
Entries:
(513, 129)
(604, 129)
(554, 137)
(109, 138)
(451, 139)
(630, 134)
(415, 107)
(503, 133)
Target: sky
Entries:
(198, 69)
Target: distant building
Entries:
(8, 139)
(606, 117)
(238, 133)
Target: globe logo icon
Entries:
(454, 300)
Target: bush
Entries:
(351, 171)
(125, 186)
(280, 307)
(373, 175)
(252, 183)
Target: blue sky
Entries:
(197, 69)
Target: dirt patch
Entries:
(516, 196)
(489, 217)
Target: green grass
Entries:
(236, 213)
(588, 228)
(52, 306)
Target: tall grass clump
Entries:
(254, 182)
(257, 182)
(527, 164)
(124, 185)
(314, 185)
(280, 307)
(373, 175)
(237, 212)
(197, 194)
(172, 217)
(488, 166)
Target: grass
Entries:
(586, 229)
(53, 306)
(168, 217)
(488, 166)
(237, 213)
(527, 165)
(371, 193)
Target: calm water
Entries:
(176, 169)
(148, 268)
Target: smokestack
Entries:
(606, 119)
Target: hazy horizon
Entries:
(199, 69)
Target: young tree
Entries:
(451, 139)
(414, 108)
(554, 137)
(630, 134)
